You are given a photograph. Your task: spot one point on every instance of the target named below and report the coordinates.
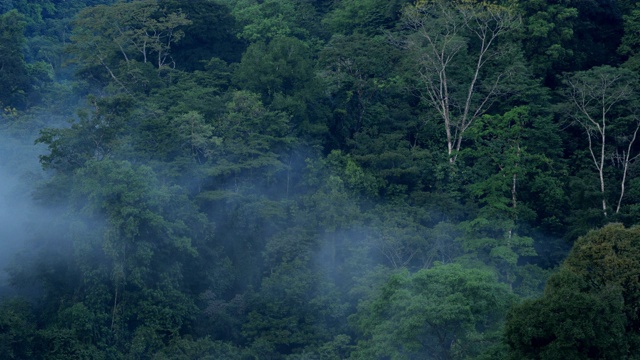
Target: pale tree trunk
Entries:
(598, 161)
(514, 192)
(601, 167)
(627, 160)
(438, 44)
(594, 93)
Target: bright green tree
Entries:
(266, 20)
(446, 312)
(368, 17)
(281, 66)
(548, 35)
(509, 169)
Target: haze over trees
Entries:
(296, 179)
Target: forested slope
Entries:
(297, 179)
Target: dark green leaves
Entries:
(13, 70)
(588, 310)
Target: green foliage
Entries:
(127, 43)
(503, 153)
(14, 72)
(567, 35)
(358, 83)
(266, 20)
(630, 45)
(279, 320)
(136, 299)
(248, 179)
(250, 140)
(211, 33)
(94, 136)
(369, 17)
(282, 72)
(444, 312)
(603, 103)
(510, 168)
(549, 33)
(35, 11)
(133, 204)
(282, 66)
(17, 329)
(464, 58)
(588, 310)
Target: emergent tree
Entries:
(604, 103)
(460, 55)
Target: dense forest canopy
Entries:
(297, 179)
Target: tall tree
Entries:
(126, 39)
(604, 103)
(463, 58)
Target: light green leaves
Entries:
(444, 312)
(126, 38)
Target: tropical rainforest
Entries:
(328, 179)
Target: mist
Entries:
(283, 180)
(20, 217)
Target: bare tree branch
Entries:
(443, 34)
